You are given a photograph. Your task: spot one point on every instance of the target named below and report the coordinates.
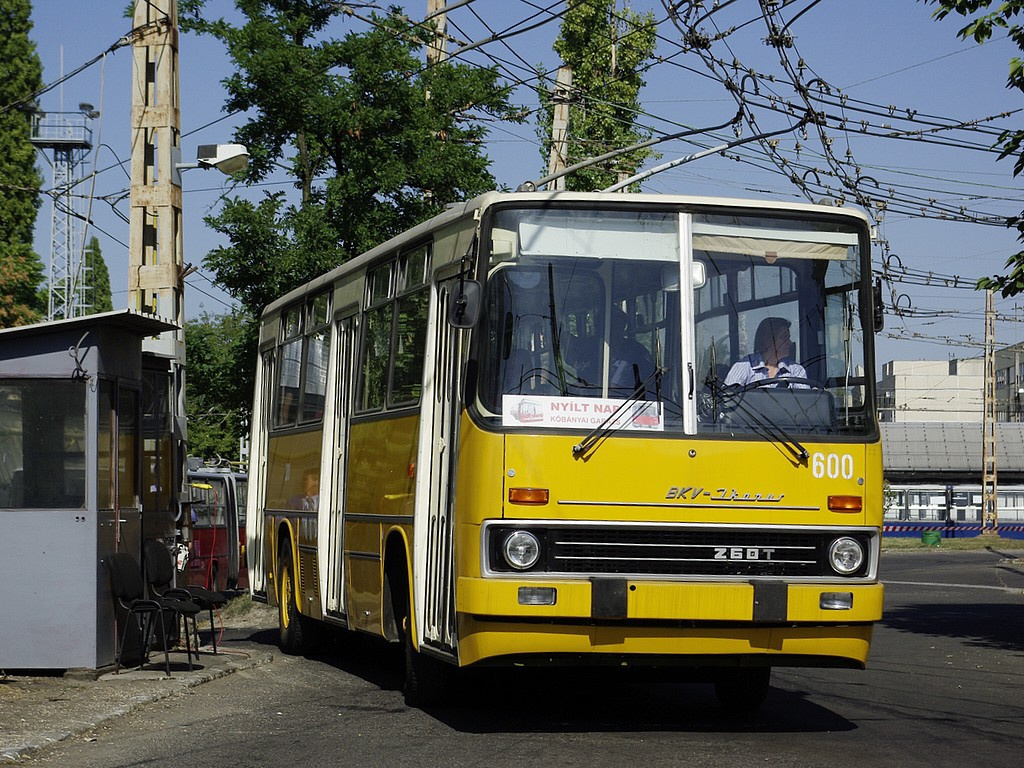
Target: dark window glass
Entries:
(376, 345)
(289, 367)
(128, 449)
(42, 444)
(410, 340)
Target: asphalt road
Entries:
(945, 687)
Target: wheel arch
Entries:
(398, 587)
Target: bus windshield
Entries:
(209, 507)
(677, 321)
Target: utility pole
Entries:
(560, 128)
(437, 47)
(155, 271)
(990, 514)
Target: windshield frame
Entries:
(491, 261)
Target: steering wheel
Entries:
(789, 381)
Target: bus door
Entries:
(335, 549)
(257, 538)
(238, 577)
(231, 549)
(433, 561)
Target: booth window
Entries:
(42, 444)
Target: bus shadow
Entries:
(535, 700)
(982, 625)
(607, 701)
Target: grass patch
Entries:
(238, 607)
(913, 544)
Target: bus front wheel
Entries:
(427, 680)
(290, 622)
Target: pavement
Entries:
(42, 708)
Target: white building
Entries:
(1010, 383)
(932, 390)
(931, 413)
(951, 390)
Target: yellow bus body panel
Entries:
(640, 479)
(379, 496)
(748, 481)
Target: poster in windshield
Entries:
(581, 413)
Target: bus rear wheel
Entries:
(742, 690)
(291, 623)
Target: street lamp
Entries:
(229, 159)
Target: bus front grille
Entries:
(677, 551)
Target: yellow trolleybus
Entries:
(579, 428)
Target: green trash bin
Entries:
(931, 538)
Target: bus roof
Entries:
(477, 205)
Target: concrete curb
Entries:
(96, 703)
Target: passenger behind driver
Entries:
(631, 364)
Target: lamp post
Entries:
(229, 159)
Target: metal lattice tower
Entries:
(989, 482)
(68, 138)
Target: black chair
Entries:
(129, 589)
(160, 575)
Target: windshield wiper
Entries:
(584, 447)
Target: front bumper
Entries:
(640, 618)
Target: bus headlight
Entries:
(846, 555)
(521, 550)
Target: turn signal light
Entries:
(845, 503)
(528, 495)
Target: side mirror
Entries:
(878, 305)
(464, 310)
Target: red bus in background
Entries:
(217, 549)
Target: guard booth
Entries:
(71, 483)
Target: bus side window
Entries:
(395, 331)
(376, 342)
(317, 352)
(410, 344)
(289, 368)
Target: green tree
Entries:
(219, 392)
(985, 17)
(21, 270)
(375, 141)
(97, 278)
(607, 49)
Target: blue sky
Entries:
(882, 60)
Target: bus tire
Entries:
(742, 690)
(291, 623)
(427, 680)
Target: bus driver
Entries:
(770, 358)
